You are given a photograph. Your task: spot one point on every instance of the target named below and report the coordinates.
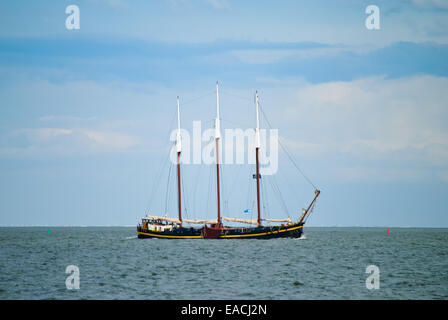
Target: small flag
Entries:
(247, 211)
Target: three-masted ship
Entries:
(165, 227)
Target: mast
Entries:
(257, 146)
(217, 137)
(179, 150)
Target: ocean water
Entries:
(328, 263)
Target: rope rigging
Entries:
(278, 194)
(310, 211)
(189, 194)
(163, 165)
(281, 144)
(198, 98)
(286, 152)
(272, 180)
(167, 195)
(195, 188)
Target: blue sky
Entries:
(85, 114)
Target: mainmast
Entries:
(257, 146)
(179, 150)
(217, 137)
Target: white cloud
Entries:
(432, 3)
(86, 117)
(66, 141)
(215, 4)
(368, 173)
(112, 3)
(218, 4)
(114, 140)
(260, 56)
(393, 127)
(70, 119)
(367, 128)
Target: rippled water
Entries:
(329, 264)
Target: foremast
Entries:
(257, 147)
(179, 150)
(217, 138)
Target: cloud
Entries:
(382, 174)
(381, 108)
(113, 140)
(214, 4)
(373, 126)
(218, 4)
(441, 4)
(166, 63)
(209, 20)
(65, 141)
(66, 119)
(263, 56)
(112, 3)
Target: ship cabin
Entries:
(157, 224)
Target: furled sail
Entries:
(164, 219)
(255, 222)
(278, 220)
(200, 221)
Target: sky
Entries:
(86, 115)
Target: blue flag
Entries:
(247, 211)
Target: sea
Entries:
(326, 263)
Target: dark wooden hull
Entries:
(290, 231)
(177, 233)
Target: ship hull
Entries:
(289, 231)
(177, 233)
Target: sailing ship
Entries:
(165, 227)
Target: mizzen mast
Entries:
(179, 150)
(217, 137)
(257, 147)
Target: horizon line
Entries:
(128, 226)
